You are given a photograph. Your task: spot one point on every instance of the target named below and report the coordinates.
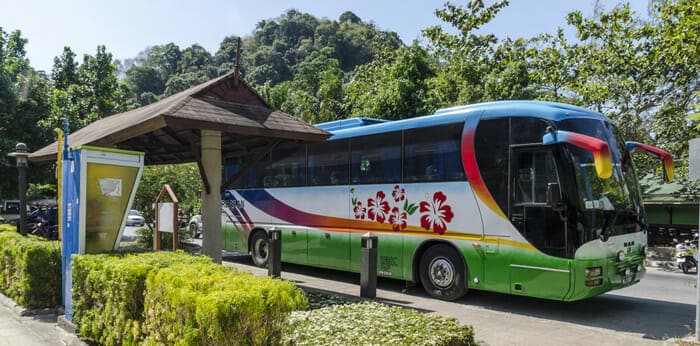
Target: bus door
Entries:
(538, 214)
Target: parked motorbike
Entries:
(44, 229)
(686, 256)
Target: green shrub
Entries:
(30, 269)
(108, 292)
(145, 238)
(7, 228)
(215, 305)
(371, 323)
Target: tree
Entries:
(316, 93)
(144, 82)
(465, 57)
(644, 75)
(394, 86)
(64, 72)
(23, 102)
(95, 94)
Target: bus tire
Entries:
(259, 248)
(442, 272)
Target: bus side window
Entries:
(328, 163)
(286, 166)
(376, 159)
(433, 154)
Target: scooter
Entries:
(686, 257)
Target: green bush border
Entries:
(30, 269)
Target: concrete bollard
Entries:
(274, 255)
(368, 266)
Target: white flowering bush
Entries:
(370, 323)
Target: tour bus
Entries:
(528, 198)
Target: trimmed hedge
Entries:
(215, 305)
(108, 292)
(174, 298)
(371, 323)
(30, 269)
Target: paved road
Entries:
(658, 308)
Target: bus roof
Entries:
(347, 128)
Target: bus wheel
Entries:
(442, 273)
(259, 249)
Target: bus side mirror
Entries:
(655, 152)
(600, 149)
(553, 195)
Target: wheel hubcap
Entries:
(442, 272)
(261, 249)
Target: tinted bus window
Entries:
(328, 163)
(527, 130)
(231, 167)
(287, 167)
(376, 159)
(433, 154)
(253, 178)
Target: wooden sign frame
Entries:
(156, 229)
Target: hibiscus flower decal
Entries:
(399, 194)
(397, 219)
(436, 214)
(359, 210)
(377, 207)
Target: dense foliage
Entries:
(30, 269)
(642, 70)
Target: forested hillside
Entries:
(642, 70)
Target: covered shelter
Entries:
(223, 115)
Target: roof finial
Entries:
(237, 69)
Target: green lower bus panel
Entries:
(328, 249)
(294, 244)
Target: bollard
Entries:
(274, 254)
(368, 266)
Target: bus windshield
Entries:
(608, 206)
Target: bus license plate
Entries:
(627, 279)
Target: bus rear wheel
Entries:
(259, 249)
(442, 273)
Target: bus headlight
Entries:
(594, 271)
(621, 256)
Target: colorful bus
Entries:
(521, 197)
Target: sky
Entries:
(127, 27)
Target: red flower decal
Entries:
(377, 207)
(399, 194)
(437, 214)
(397, 219)
(359, 211)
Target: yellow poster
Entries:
(108, 191)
